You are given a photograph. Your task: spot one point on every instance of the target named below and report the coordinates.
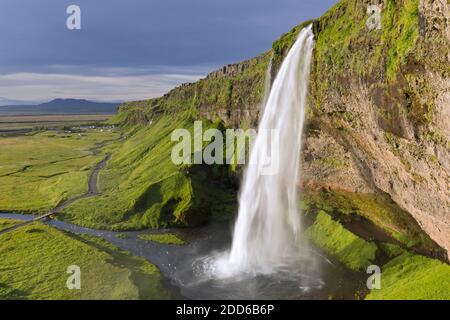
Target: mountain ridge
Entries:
(61, 106)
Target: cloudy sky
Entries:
(132, 49)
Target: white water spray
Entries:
(266, 237)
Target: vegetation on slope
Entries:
(400, 31)
(413, 277)
(331, 236)
(342, 33)
(37, 172)
(228, 94)
(392, 60)
(6, 223)
(281, 47)
(383, 213)
(143, 188)
(164, 238)
(35, 259)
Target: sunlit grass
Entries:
(165, 238)
(414, 277)
(331, 236)
(35, 258)
(39, 171)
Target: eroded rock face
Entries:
(393, 132)
(362, 158)
(327, 163)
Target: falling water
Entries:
(267, 232)
(267, 83)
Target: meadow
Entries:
(38, 171)
(35, 259)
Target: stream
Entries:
(184, 266)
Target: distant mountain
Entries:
(61, 106)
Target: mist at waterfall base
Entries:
(268, 251)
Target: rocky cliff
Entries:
(381, 103)
(376, 145)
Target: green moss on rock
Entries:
(331, 236)
(381, 211)
(413, 277)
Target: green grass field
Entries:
(5, 223)
(386, 215)
(39, 171)
(35, 259)
(165, 238)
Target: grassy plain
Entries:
(35, 259)
(6, 223)
(38, 171)
(405, 275)
(330, 235)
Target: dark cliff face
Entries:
(379, 118)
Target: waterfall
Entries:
(267, 83)
(267, 232)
